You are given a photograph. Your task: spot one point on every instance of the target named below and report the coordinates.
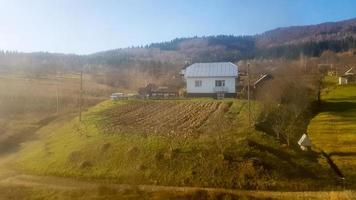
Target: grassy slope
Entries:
(224, 155)
(334, 129)
(26, 105)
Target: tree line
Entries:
(311, 49)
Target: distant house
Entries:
(164, 92)
(348, 77)
(118, 95)
(211, 79)
(147, 90)
(262, 79)
(154, 91)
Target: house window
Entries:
(198, 83)
(219, 83)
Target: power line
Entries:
(81, 96)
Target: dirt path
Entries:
(11, 178)
(68, 184)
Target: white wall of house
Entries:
(342, 80)
(208, 84)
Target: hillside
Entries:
(121, 142)
(333, 129)
(311, 33)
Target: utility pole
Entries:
(81, 96)
(248, 95)
(57, 93)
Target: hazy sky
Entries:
(87, 26)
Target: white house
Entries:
(210, 79)
(348, 77)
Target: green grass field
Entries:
(334, 129)
(215, 149)
(27, 104)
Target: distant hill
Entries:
(162, 61)
(287, 42)
(311, 33)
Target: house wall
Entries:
(208, 84)
(212, 95)
(342, 81)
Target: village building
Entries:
(217, 79)
(154, 91)
(258, 84)
(119, 96)
(263, 78)
(164, 92)
(348, 77)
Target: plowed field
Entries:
(163, 117)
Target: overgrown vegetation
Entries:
(289, 102)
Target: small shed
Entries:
(164, 92)
(118, 96)
(305, 143)
(154, 91)
(343, 80)
(348, 77)
(261, 79)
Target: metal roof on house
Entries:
(350, 71)
(217, 69)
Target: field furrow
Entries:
(159, 117)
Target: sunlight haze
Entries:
(84, 27)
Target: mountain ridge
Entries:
(347, 27)
(160, 58)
